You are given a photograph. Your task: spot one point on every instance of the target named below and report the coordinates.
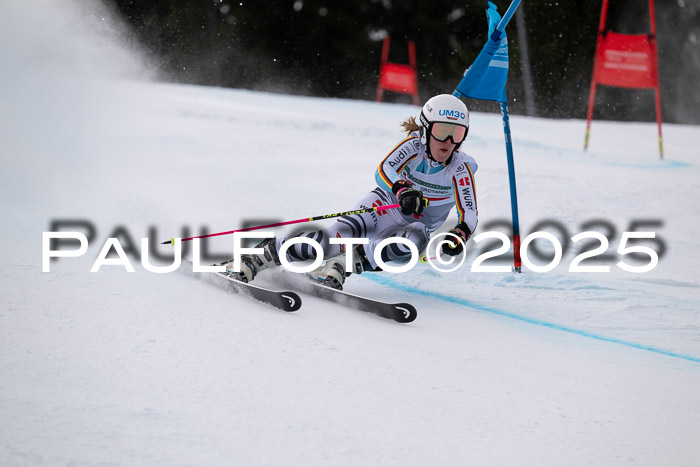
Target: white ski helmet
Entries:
(444, 108)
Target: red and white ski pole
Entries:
(297, 221)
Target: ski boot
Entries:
(251, 265)
(333, 273)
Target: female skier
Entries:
(426, 168)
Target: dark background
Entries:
(332, 49)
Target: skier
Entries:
(426, 174)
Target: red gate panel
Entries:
(628, 61)
(396, 77)
(625, 60)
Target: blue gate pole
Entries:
(513, 193)
(505, 20)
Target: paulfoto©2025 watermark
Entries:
(649, 257)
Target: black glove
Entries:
(463, 233)
(410, 199)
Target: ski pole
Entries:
(297, 221)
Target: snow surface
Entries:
(118, 368)
(498, 369)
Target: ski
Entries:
(283, 300)
(399, 312)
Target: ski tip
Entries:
(405, 313)
(293, 301)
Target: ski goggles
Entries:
(441, 131)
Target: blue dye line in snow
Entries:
(600, 159)
(666, 164)
(384, 280)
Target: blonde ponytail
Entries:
(410, 125)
